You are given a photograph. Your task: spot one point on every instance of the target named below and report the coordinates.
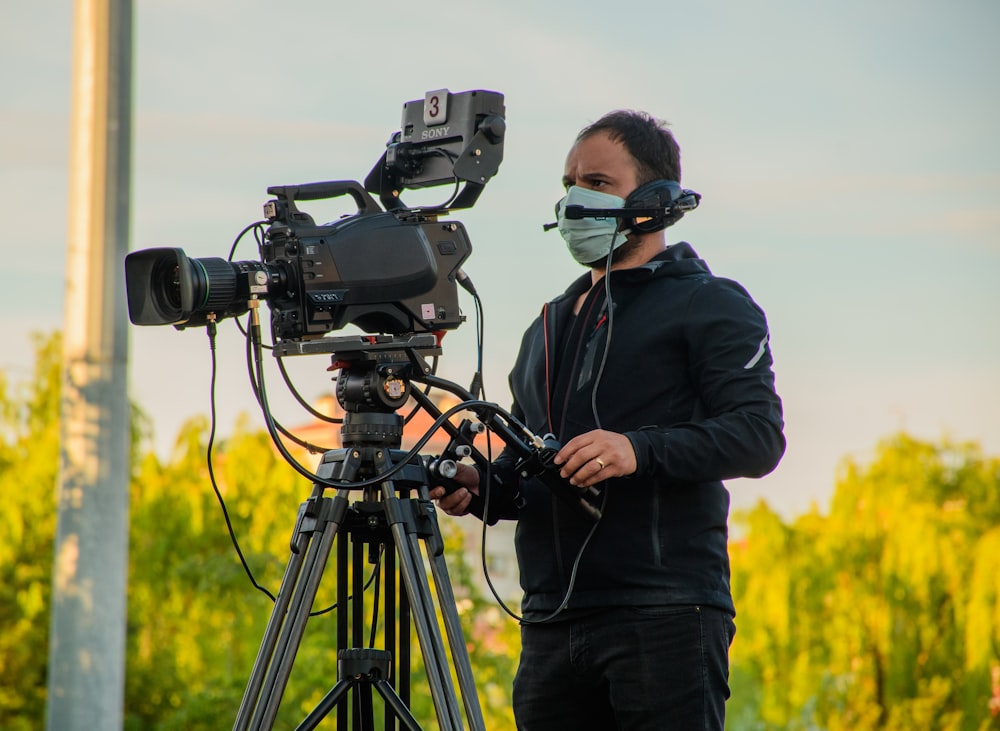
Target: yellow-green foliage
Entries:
(29, 461)
(882, 614)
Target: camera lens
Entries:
(166, 289)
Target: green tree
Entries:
(29, 461)
(886, 597)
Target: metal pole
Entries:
(87, 641)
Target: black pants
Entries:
(633, 668)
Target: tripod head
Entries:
(374, 382)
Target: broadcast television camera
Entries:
(389, 269)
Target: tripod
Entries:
(397, 516)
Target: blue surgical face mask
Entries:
(589, 239)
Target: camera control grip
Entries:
(541, 464)
(442, 472)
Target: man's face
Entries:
(602, 164)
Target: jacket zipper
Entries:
(554, 500)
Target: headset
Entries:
(651, 207)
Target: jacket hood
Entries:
(678, 260)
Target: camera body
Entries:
(391, 270)
(383, 272)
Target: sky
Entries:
(847, 155)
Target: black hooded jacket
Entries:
(687, 378)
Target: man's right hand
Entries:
(457, 501)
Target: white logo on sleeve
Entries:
(758, 355)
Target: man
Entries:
(656, 398)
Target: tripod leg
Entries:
(329, 702)
(266, 651)
(384, 688)
(315, 530)
(422, 607)
(452, 625)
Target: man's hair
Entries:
(647, 139)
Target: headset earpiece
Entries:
(658, 194)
